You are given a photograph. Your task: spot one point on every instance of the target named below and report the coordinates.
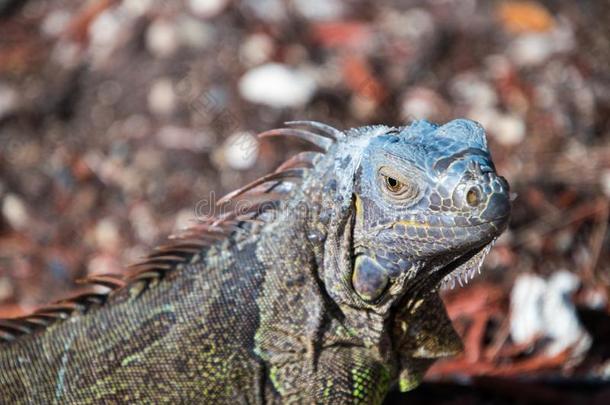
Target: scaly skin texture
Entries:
(325, 293)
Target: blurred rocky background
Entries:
(121, 120)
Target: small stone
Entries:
(564, 240)
(9, 100)
(55, 23)
(194, 33)
(104, 33)
(498, 66)
(6, 288)
(508, 129)
(415, 25)
(531, 50)
(173, 137)
(107, 235)
(422, 103)
(469, 89)
(595, 298)
(15, 212)
(256, 49)
(162, 39)
(536, 49)
(207, 8)
(484, 116)
(104, 264)
(67, 54)
(320, 10)
(363, 108)
(604, 180)
(143, 223)
(277, 85)
(137, 8)
(148, 159)
(267, 10)
(185, 217)
(241, 150)
(161, 97)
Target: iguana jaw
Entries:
(465, 268)
(461, 267)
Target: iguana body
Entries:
(322, 291)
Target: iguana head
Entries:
(424, 200)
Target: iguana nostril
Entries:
(473, 197)
(498, 206)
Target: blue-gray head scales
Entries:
(419, 206)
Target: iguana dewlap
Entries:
(322, 289)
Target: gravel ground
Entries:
(120, 121)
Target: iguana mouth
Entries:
(435, 276)
(464, 268)
(440, 222)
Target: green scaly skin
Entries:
(325, 298)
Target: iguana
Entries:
(323, 288)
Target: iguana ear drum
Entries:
(369, 279)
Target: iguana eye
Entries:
(394, 186)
